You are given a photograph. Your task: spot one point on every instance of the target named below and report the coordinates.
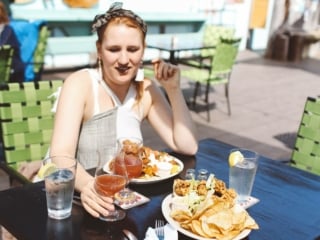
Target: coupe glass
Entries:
(108, 183)
(129, 149)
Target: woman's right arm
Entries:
(68, 119)
(69, 114)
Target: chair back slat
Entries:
(224, 58)
(306, 153)
(26, 120)
(40, 51)
(212, 37)
(6, 56)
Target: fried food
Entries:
(149, 158)
(216, 216)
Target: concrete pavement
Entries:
(267, 101)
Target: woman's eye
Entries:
(133, 49)
(117, 49)
(114, 49)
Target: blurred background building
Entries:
(253, 20)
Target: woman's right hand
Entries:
(95, 204)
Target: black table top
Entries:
(180, 47)
(288, 207)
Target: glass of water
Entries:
(242, 174)
(59, 185)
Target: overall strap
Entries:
(115, 99)
(95, 85)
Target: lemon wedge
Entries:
(46, 170)
(235, 157)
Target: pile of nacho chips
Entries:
(217, 217)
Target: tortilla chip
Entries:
(196, 228)
(181, 216)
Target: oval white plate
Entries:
(165, 207)
(152, 179)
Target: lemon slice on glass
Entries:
(46, 170)
(235, 157)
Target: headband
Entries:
(116, 10)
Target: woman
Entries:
(8, 37)
(97, 106)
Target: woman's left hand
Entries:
(29, 169)
(167, 74)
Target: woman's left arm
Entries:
(173, 123)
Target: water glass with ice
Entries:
(242, 174)
(59, 185)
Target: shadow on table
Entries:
(96, 229)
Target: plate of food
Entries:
(156, 165)
(206, 210)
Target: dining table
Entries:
(175, 48)
(288, 206)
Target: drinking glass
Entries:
(59, 185)
(242, 175)
(190, 174)
(107, 184)
(129, 149)
(202, 174)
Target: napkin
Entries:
(169, 233)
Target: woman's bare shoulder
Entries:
(79, 77)
(150, 83)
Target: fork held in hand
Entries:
(159, 229)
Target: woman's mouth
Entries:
(122, 69)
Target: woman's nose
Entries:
(123, 58)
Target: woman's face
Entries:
(121, 52)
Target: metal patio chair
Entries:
(6, 55)
(217, 72)
(26, 123)
(306, 153)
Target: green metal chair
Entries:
(212, 36)
(306, 153)
(6, 55)
(26, 123)
(218, 72)
(40, 51)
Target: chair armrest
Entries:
(197, 62)
(14, 174)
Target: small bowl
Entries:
(164, 169)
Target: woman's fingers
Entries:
(95, 204)
(163, 70)
(90, 210)
(29, 169)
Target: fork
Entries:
(159, 229)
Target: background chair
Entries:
(40, 51)
(306, 153)
(212, 36)
(218, 72)
(26, 123)
(6, 55)
(33, 36)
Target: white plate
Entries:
(166, 209)
(152, 179)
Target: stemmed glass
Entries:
(130, 150)
(107, 184)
